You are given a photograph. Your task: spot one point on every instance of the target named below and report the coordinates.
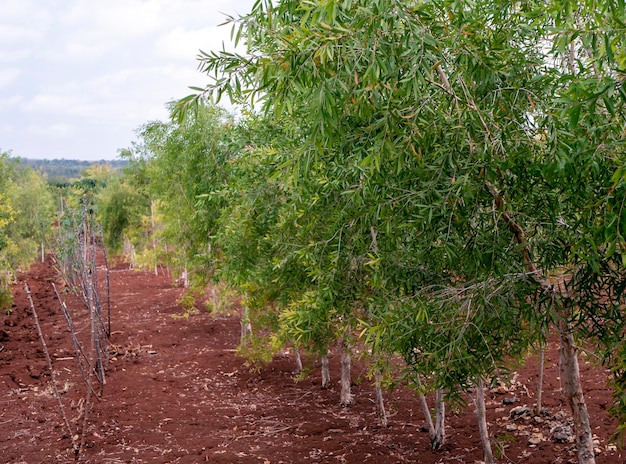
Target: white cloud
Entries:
(55, 130)
(184, 45)
(8, 76)
(10, 103)
(14, 34)
(79, 76)
(13, 55)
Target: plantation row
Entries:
(442, 182)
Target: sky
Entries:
(79, 77)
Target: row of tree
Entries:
(26, 215)
(440, 180)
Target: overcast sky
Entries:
(77, 77)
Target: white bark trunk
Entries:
(427, 416)
(569, 361)
(436, 430)
(440, 421)
(481, 414)
(542, 356)
(346, 380)
(572, 386)
(325, 372)
(246, 326)
(296, 353)
(380, 401)
(154, 241)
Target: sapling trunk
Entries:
(296, 353)
(436, 430)
(542, 356)
(570, 372)
(380, 401)
(427, 415)
(440, 421)
(481, 414)
(246, 325)
(214, 299)
(568, 359)
(154, 240)
(325, 371)
(346, 380)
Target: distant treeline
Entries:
(62, 171)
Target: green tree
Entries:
(26, 216)
(492, 131)
(6, 217)
(32, 200)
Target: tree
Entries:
(495, 159)
(26, 216)
(32, 200)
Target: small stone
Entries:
(611, 447)
(535, 438)
(502, 389)
(519, 411)
(511, 427)
(562, 433)
(510, 400)
(545, 412)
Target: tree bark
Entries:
(440, 421)
(296, 353)
(572, 386)
(542, 356)
(346, 380)
(325, 372)
(569, 361)
(481, 414)
(427, 416)
(380, 401)
(246, 325)
(436, 430)
(154, 241)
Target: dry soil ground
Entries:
(176, 392)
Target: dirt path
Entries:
(177, 393)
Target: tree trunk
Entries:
(427, 416)
(325, 372)
(574, 393)
(569, 362)
(296, 353)
(380, 401)
(542, 356)
(440, 421)
(246, 326)
(436, 430)
(346, 380)
(481, 414)
(214, 301)
(183, 280)
(154, 241)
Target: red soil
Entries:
(176, 392)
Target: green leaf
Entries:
(574, 115)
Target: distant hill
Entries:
(61, 171)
